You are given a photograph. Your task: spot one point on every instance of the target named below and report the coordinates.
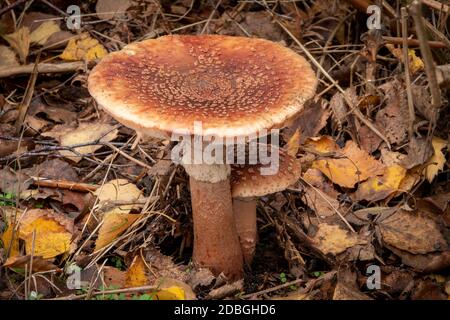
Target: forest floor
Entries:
(68, 170)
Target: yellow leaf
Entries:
(171, 293)
(353, 165)
(332, 239)
(7, 57)
(43, 32)
(137, 273)
(85, 133)
(83, 48)
(437, 160)
(118, 190)
(293, 144)
(10, 241)
(20, 42)
(377, 188)
(415, 63)
(52, 233)
(114, 224)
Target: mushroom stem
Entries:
(216, 243)
(245, 217)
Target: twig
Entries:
(437, 5)
(11, 6)
(416, 11)
(42, 68)
(23, 108)
(281, 286)
(414, 42)
(138, 162)
(125, 290)
(64, 184)
(404, 15)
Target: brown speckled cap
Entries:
(235, 86)
(247, 181)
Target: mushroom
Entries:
(232, 86)
(247, 183)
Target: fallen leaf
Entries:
(7, 58)
(322, 199)
(10, 240)
(393, 119)
(412, 232)
(13, 182)
(114, 224)
(333, 239)
(415, 63)
(314, 118)
(43, 32)
(108, 9)
(354, 165)
(369, 140)
(427, 263)
(419, 151)
(20, 42)
(85, 133)
(437, 160)
(345, 292)
(83, 48)
(53, 232)
(112, 277)
(323, 144)
(136, 275)
(378, 188)
(118, 190)
(293, 144)
(39, 264)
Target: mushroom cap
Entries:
(247, 180)
(235, 86)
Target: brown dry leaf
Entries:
(136, 275)
(115, 222)
(437, 160)
(108, 9)
(369, 140)
(83, 48)
(112, 276)
(53, 232)
(323, 144)
(20, 42)
(118, 190)
(323, 199)
(412, 232)
(13, 182)
(314, 118)
(393, 120)
(378, 188)
(339, 109)
(354, 166)
(39, 264)
(427, 263)
(7, 58)
(293, 144)
(345, 292)
(43, 32)
(85, 133)
(333, 239)
(419, 151)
